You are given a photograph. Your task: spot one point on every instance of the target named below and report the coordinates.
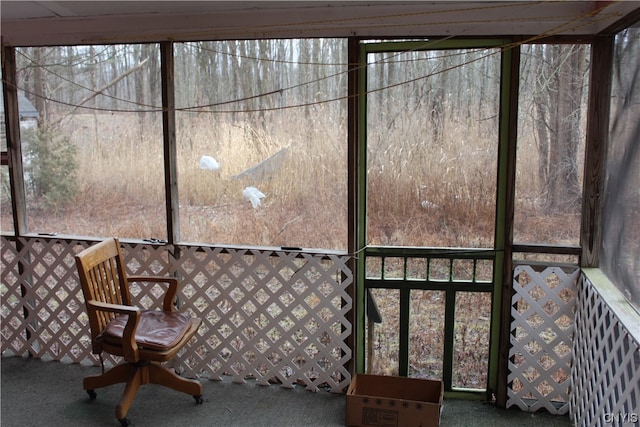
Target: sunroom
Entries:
(438, 190)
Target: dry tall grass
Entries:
(305, 203)
(420, 192)
(122, 171)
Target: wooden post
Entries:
(169, 134)
(16, 179)
(596, 148)
(353, 198)
(14, 144)
(499, 361)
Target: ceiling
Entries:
(35, 23)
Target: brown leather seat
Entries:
(156, 330)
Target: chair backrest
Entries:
(103, 279)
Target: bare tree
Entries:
(560, 71)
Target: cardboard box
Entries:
(385, 401)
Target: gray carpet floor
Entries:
(37, 393)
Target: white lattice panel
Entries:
(42, 306)
(274, 316)
(542, 328)
(269, 315)
(606, 371)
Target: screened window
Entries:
(262, 148)
(620, 256)
(93, 164)
(432, 138)
(551, 140)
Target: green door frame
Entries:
(504, 194)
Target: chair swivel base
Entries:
(135, 375)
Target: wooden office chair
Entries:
(144, 338)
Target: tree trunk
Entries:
(563, 190)
(38, 88)
(560, 71)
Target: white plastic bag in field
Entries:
(253, 195)
(209, 163)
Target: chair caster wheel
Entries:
(198, 398)
(92, 394)
(124, 422)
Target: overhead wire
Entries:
(155, 108)
(572, 24)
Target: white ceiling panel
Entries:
(82, 22)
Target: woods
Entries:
(246, 100)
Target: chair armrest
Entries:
(170, 294)
(113, 308)
(129, 346)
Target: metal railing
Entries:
(437, 279)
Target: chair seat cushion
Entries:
(157, 330)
